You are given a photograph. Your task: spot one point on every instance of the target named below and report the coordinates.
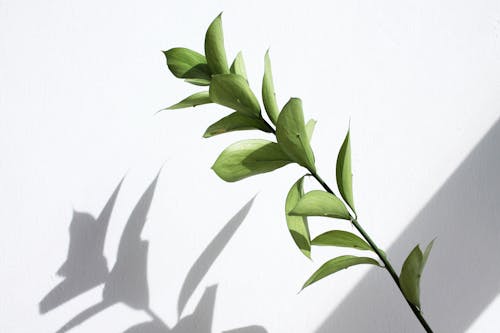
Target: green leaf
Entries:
(238, 66)
(411, 272)
(214, 47)
(292, 136)
(342, 239)
(198, 82)
(297, 225)
(233, 91)
(336, 264)
(247, 158)
(426, 254)
(187, 64)
(268, 94)
(310, 128)
(191, 101)
(236, 122)
(344, 173)
(409, 278)
(320, 203)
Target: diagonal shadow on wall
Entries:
(462, 276)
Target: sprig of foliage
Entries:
(228, 86)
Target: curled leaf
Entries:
(344, 173)
(247, 158)
(320, 203)
(411, 272)
(336, 264)
(297, 225)
(196, 99)
(214, 47)
(236, 121)
(187, 64)
(268, 94)
(292, 136)
(342, 239)
(233, 91)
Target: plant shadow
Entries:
(462, 276)
(85, 266)
(127, 282)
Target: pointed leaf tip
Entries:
(187, 64)
(336, 264)
(268, 93)
(311, 124)
(196, 99)
(238, 66)
(214, 47)
(344, 172)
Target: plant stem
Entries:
(393, 274)
(383, 258)
(322, 182)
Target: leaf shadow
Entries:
(85, 266)
(202, 317)
(127, 283)
(209, 255)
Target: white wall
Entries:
(80, 82)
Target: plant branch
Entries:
(393, 274)
(382, 256)
(322, 182)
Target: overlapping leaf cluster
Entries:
(228, 86)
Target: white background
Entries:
(80, 82)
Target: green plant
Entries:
(228, 86)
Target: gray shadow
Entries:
(154, 326)
(462, 276)
(85, 266)
(249, 329)
(208, 256)
(127, 282)
(202, 317)
(199, 321)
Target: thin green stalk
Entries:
(382, 257)
(322, 182)
(393, 274)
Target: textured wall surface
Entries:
(112, 221)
